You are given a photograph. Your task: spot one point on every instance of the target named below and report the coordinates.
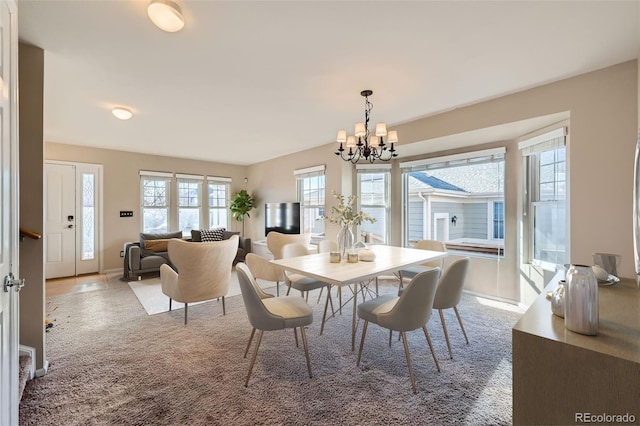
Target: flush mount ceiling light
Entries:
(122, 113)
(166, 15)
(365, 145)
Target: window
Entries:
(88, 218)
(310, 185)
(457, 199)
(498, 220)
(218, 190)
(545, 165)
(155, 194)
(189, 202)
(373, 198)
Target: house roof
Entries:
(433, 182)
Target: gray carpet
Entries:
(112, 364)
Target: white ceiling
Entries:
(248, 81)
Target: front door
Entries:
(60, 220)
(73, 217)
(9, 199)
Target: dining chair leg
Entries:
(277, 288)
(455, 309)
(186, 308)
(306, 350)
(390, 335)
(288, 290)
(377, 292)
(364, 333)
(401, 282)
(433, 354)
(340, 299)
(446, 334)
(320, 294)
(224, 311)
(246, 351)
(170, 304)
(406, 351)
(295, 334)
(253, 358)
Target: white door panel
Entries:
(9, 196)
(60, 214)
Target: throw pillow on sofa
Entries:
(211, 234)
(144, 237)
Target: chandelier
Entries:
(364, 145)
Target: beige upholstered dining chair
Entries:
(263, 269)
(203, 271)
(277, 240)
(272, 313)
(303, 283)
(409, 311)
(412, 271)
(449, 293)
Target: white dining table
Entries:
(388, 259)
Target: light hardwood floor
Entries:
(79, 284)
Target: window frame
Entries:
(190, 180)
(219, 181)
(532, 148)
(157, 177)
(385, 171)
(318, 209)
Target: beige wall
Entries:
(32, 296)
(122, 187)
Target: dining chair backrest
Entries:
(263, 269)
(451, 284)
(433, 245)
(326, 246)
(259, 315)
(413, 309)
(294, 250)
(277, 240)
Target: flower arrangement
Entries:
(344, 214)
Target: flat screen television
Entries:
(282, 217)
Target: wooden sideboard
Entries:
(562, 377)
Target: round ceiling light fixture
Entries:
(166, 15)
(122, 113)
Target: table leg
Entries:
(353, 324)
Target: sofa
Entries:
(150, 252)
(244, 244)
(147, 254)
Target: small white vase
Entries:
(345, 240)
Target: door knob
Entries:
(70, 226)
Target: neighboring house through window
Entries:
(373, 198)
(310, 184)
(457, 199)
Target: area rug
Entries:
(112, 364)
(153, 300)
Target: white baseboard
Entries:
(28, 350)
(43, 371)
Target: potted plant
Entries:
(241, 205)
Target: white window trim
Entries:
(219, 181)
(454, 157)
(371, 169)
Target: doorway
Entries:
(73, 219)
(441, 227)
